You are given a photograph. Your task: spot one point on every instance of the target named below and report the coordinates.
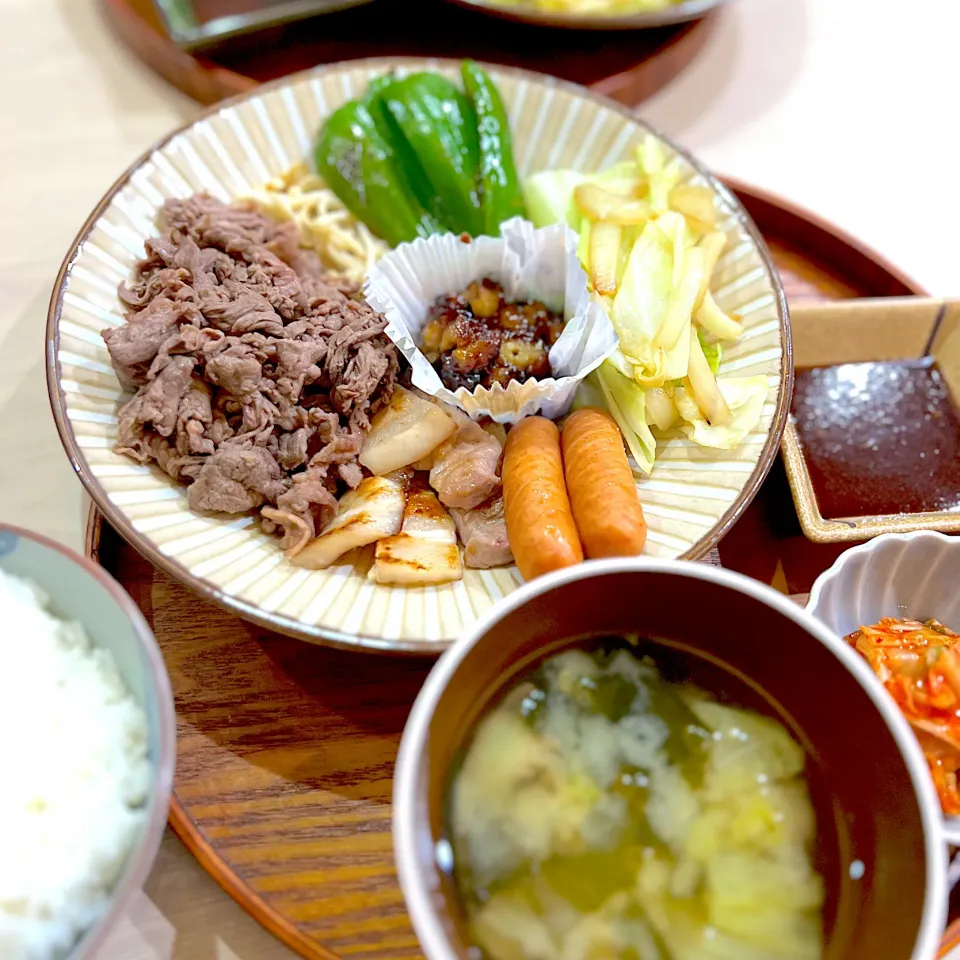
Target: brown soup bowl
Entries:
(880, 847)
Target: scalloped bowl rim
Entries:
(838, 566)
(951, 823)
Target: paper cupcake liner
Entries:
(530, 264)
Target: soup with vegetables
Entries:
(603, 812)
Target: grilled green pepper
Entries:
(440, 127)
(500, 194)
(411, 170)
(361, 165)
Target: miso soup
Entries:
(604, 812)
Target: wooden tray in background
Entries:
(286, 749)
(627, 65)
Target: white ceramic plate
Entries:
(693, 496)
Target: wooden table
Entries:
(799, 97)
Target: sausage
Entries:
(540, 525)
(600, 485)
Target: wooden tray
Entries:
(626, 65)
(286, 749)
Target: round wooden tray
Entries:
(626, 65)
(286, 749)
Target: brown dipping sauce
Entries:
(479, 338)
(879, 438)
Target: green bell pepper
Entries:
(439, 125)
(411, 170)
(501, 196)
(362, 166)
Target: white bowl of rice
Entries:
(88, 739)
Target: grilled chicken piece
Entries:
(465, 468)
(484, 535)
(406, 430)
(425, 551)
(371, 512)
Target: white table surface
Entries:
(848, 107)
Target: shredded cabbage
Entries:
(712, 351)
(549, 194)
(627, 405)
(643, 299)
(549, 197)
(649, 245)
(745, 396)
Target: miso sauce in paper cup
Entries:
(530, 264)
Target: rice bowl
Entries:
(88, 718)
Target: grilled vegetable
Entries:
(371, 512)
(403, 432)
(595, 202)
(701, 384)
(500, 194)
(695, 203)
(627, 405)
(414, 176)
(650, 246)
(712, 319)
(425, 550)
(360, 163)
(604, 256)
(743, 397)
(439, 125)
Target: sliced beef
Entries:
(193, 417)
(292, 449)
(133, 346)
(160, 399)
(350, 473)
(255, 376)
(239, 376)
(297, 365)
(483, 532)
(311, 496)
(297, 533)
(368, 366)
(153, 410)
(236, 479)
(185, 469)
(240, 311)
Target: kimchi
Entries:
(919, 664)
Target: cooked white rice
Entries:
(73, 745)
